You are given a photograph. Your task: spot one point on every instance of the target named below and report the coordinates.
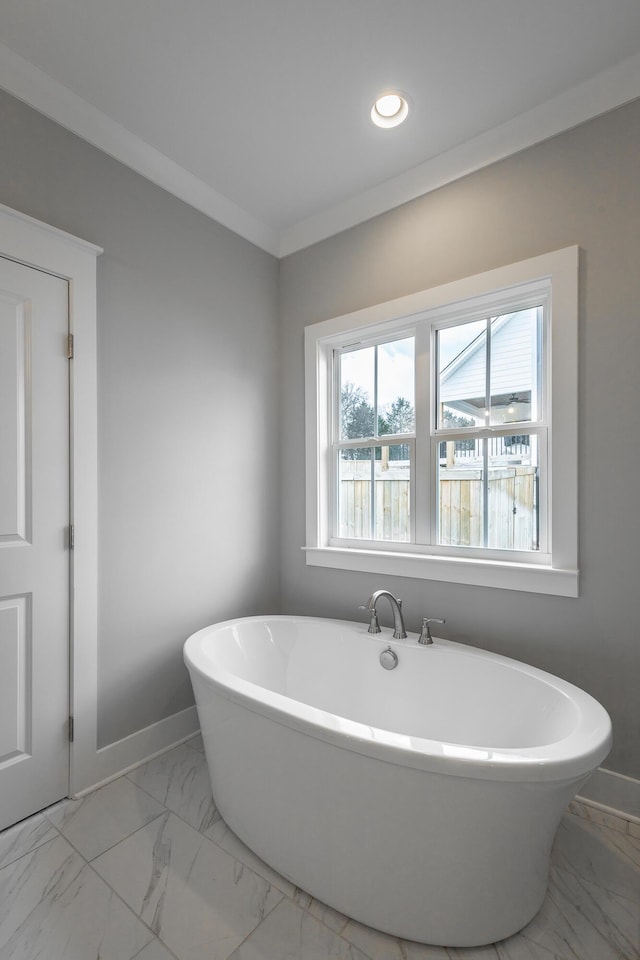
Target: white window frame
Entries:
(554, 571)
(384, 440)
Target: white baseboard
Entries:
(613, 793)
(124, 755)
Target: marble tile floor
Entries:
(145, 868)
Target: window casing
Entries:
(495, 421)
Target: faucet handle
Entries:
(374, 626)
(425, 637)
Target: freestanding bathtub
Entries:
(421, 800)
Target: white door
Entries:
(34, 524)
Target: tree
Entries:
(450, 419)
(356, 413)
(399, 417)
(357, 420)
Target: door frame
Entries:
(46, 248)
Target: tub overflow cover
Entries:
(389, 659)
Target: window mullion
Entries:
(372, 505)
(485, 443)
(422, 484)
(485, 494)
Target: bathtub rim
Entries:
(572, 757)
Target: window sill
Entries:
(504, 575)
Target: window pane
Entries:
(512, 509)
(462, 375)
(392, 484)
(385, 515)
(515, 366)
(488, 492)
(461, 493)
(354, 492)
(514, 375)
(377, 394)
(396, 392)
(357, 394)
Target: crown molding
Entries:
(51, 98)
(607, 90)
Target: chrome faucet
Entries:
(399, 632)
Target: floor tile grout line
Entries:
(257, 926)
(594, 883)
(341, 933)
(597, 827)
(170, 952)
(307, 910)
(600, 886)
(90, 861)
(167, 810)
(170, 812)
(354, 945)
(88, 864)
(126, 776)
(598, 910)
(291, 897)
(615, 838)
(39, 846)
(553, 954)
(130, 910)
(285, 895)
(214, 841)
(211, 839)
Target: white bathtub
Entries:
(423, 800)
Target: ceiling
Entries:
(257, 111)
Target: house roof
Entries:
(513, 365)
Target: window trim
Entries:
(558, 573)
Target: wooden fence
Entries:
(392, 509)
(511, 508)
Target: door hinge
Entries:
(70, 346)
(70, 729)
(72, 536)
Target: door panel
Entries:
(14, 655)
(15, 344)
(34, 517)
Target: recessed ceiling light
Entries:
(389, 110)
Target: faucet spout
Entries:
(399, 632)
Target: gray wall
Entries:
(187, 317)
(188, 470)
(582, 187)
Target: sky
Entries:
(396, 364)
(395, 371)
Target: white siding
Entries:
(512, 362)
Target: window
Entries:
(442, 432)
(374, 442)
(488, 376)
